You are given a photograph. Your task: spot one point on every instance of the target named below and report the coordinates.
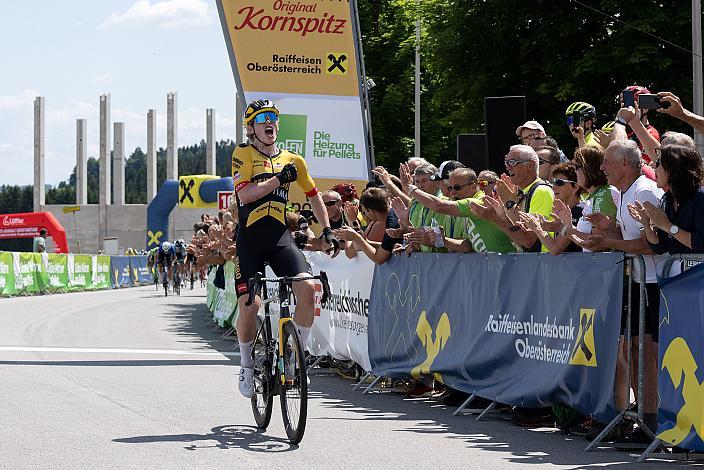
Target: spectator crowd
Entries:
(623, 187)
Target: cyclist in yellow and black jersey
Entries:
(262, 174)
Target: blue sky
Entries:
(72, 51)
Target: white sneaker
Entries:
(247, 382)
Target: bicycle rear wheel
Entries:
(177, 282)
(294, 392)
(263, 399)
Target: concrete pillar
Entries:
(118, 163)
(105, 176)
(171, 136)
(151, 155)
(39, 147)
(239, 111)
(81, 161)
(210, 163)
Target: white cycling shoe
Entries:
(246, 382)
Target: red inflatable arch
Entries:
(28, 224)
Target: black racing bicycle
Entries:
(279, 365)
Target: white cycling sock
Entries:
(246, 354)
(304, 332)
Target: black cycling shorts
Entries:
(283, 256)
(191, 258)
(652, 309)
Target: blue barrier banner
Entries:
(120, 271)
(681, 359)
(141, 276)
(526, 329)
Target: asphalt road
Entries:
(130, 379)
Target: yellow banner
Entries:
(297, 47)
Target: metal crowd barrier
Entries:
(694, 259)
(639, 413)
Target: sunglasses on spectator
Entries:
(332, 203)
(513, 162)
(530, 137)
(484, 182)
(458, 187)
(561, 182)
(264, 117)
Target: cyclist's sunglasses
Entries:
(269, 116)
(561, 182)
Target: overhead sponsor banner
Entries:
(527, 330)
(304, 47)
(302, 55)
(681, 359)
(141, 274)
(7, 274)
(120, 274)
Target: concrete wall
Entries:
(128, 223)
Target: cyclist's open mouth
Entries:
(269, 131)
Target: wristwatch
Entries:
(620, 120)
(674, 229)
(411, 188)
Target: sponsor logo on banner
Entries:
(584, 353)
(548, 340)
(432, 346)
(336, 63)
(7, 221)
(292, 133)
(681, 367)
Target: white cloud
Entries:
(167, 14)
(15, 102)
(105, 77)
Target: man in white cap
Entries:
(531, 133)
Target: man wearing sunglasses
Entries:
(548, 157)
(475, 234)
(522, 191)
(333, 205)
(262, 175)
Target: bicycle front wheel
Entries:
(294, 390)
(263, 399)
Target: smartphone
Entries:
(651, 102)
(628, 99)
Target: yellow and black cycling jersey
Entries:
(251, 166)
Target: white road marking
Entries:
(175, 352)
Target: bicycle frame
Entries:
(285, 290)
